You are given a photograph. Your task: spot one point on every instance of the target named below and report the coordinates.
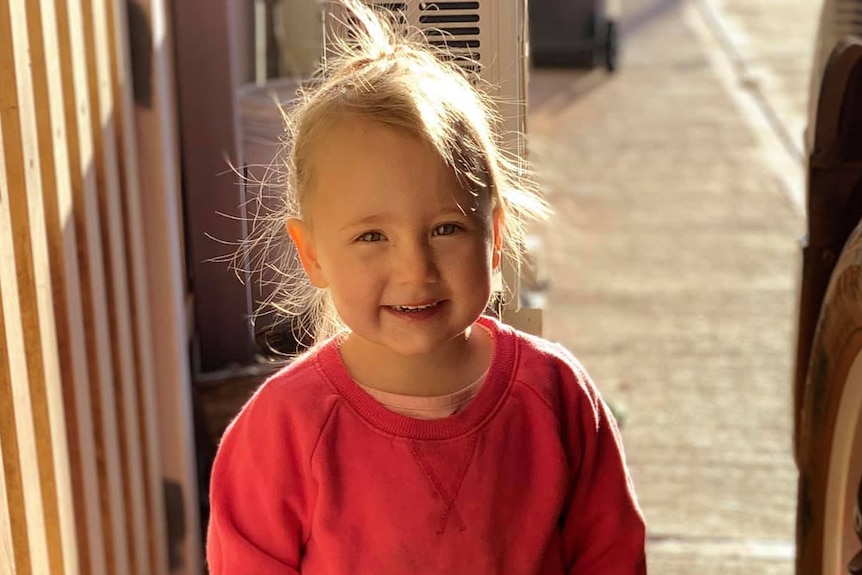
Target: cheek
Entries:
(353, 280)
(353, 299)
(471, 259)
(485, 246)
(339, 262)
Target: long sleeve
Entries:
(603, 529)
(258, 494)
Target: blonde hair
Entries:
(383, 71)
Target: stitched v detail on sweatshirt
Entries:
(445, 465)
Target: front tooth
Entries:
(409, 308)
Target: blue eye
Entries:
(446, 229)
(370, 237)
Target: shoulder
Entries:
(551, 372)
(267, 451)
(301, 383)
(293, 405)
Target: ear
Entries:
(300, 233)
(497, 218)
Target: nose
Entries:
(415, 263)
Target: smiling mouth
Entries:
(414, 308)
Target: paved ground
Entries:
(772, 42)
(673, 262)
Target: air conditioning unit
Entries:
(488, 39)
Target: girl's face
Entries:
(405, 252)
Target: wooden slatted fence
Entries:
(81, 483)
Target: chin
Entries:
(412, 347)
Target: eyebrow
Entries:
(367, 220)
(377, 218)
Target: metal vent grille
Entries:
(455, 26)
(485, 38)
(398, 9)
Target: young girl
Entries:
(422, 436)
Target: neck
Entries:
(449, 369)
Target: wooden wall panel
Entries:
(7, 558)
(81, 476)
(161, 212)
(86, 370)
(46, 243)
(145, 389)
(78, 469)
(54, 193)
(8, 467)
(21, 297)
(118, 302)
(92, 254)
(14, 546)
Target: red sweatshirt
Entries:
(316, 477)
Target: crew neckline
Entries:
(431, 406)
(476, 412)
